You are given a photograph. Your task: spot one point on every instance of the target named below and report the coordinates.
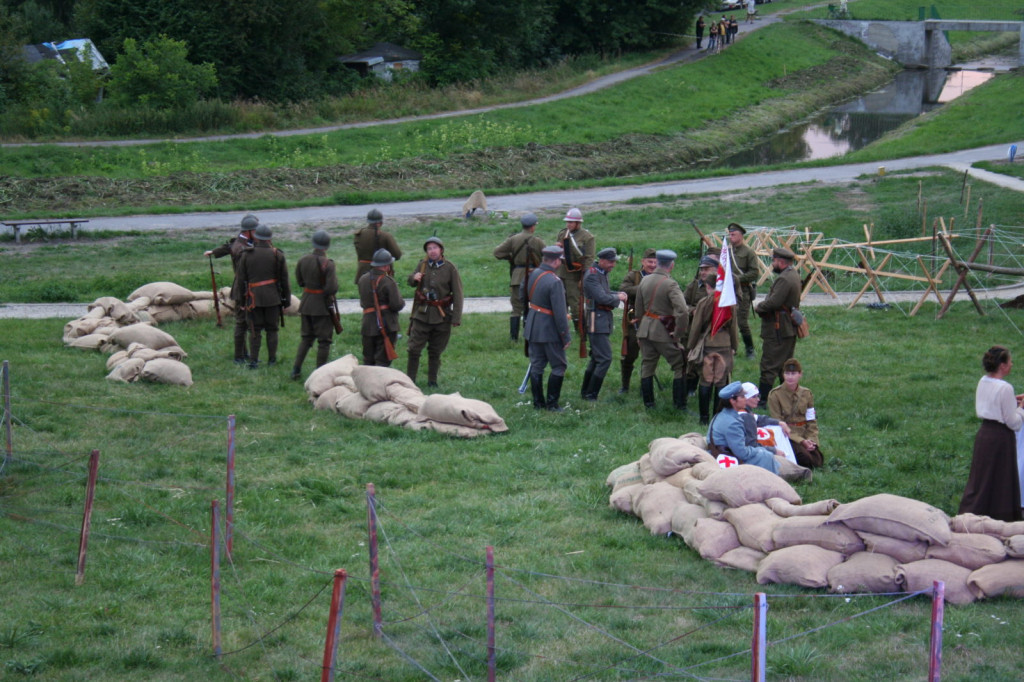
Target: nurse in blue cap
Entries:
(726, 434)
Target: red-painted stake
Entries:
(333, 626)
(491, 667)
(371, 523)
(935, 650)
(758, 644)
(215, 575)
(9, 451)
(229, 499)
(90, 494)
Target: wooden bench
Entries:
(16, 225)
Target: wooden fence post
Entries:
(90, 494)
(333, 625)
(759, 642)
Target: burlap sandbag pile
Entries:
(386, 395)
(748, 518)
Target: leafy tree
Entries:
(159, 74)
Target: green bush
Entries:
(158, 74)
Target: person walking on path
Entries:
(267, 292)
(235, 247)
(600, 302)
(778, 333)
(370, 239)
(316, 274)
(380, 300)
(522, 251)
(547, 329)
(664, 317)
(436, 308)
(630, 345)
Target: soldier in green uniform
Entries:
(724, 344)
(236, 247)
(264, 273)
(794, 404)
(368, 240)
(380, 300)
(663, 316)
(778, 334)
(629, 285)
(436, 308)
(580, 248)
(522, 251)
(316, 274)
(694, 293)
(745, 270)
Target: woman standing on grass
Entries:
(993, 486)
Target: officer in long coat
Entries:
(235, 247)
(368, 240)
(778, 335)
(380, 300)
(599, 320)
(267, 292)
(522, 251)
(436, 308)
(664, 319)
(630, 283)
(547, 329)
(317, 276)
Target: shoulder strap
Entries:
(539, 277)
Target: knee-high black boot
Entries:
(412, 368)
(627, 374)
(679, 394)
(594, 388)
(704, 403)
(554, 392)
(537, 389)
(748, 342)
(765, 388)
(585, 388)
(513, 328)
(323, 354)
(647, 391)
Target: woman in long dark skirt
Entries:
(993, 486)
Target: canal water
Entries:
(856, 123)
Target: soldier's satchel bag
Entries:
(799, 323)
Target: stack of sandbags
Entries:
(227, 304)
(387, 395)
(138, 361)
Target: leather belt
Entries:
(312, 291)
(367, 311)
(546, 311)
(262, 283)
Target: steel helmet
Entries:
(321, 240)
(250, 222)
(263, 233)
(434, 240)
(573, 216)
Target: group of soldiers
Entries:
(553, 290)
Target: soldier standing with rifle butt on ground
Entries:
(547, 329)
(600, 302)
(236, 247)
(778, 334)
(664, 317)
(380, 300)
(267, 293)
(579, 249)
(316, 274)
(522, 251)
(745, 270)
(630, 345)
(436, 308)
(368, 240)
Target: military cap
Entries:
(750, 390)
(783, 252)
(528, 220)
(433, 240)
(736, 226)
(708, 262)
(649, 253)
(381, 258)
(608, 254)
(374, 216)
(250, 222)
(792, 365)
(553, 251)
(263, 232)
(321, 240)
(731, 391)
(665, 255)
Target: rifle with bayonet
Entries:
(216, 297)
(389, 348)
(625, 311)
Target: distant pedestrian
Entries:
(700, 30)
(751, 10)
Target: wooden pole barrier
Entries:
(90, 494)
(9, 450)
(229, 498)
(371, 524)
(491, 663)
(333, 626)
(215, 575)
(759, 642)
(935, 649)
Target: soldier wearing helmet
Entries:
(380, 300)
(522, 250)
(580, 250)
(264, 274)
(316, 274)
(436, 308)
(370, 239)
(235, 247)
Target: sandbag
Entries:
(83, 326)
(353, 406)
(116, 359)
(147, 335)
(812, 530)
(104, 303)
(895, 516)
(139, 303)
(713, 538)
(715, 510)
(743, 558)
(754, 524)
(326, 376)
(970, 550)
(684, 520)
(142, 353)
(162, 314)
(89, 341)
(786, 509)
(647, 473)
(203, 309)
(457, 430)
(328, 399)
(864, 572)
(975, 523)
(679, 478)
(411, 398)
(127, 371)
(373, 381)
(695, 439)
(381, 412)
(705, 469)
(167, 371)
(162, 293)
(204, 295)
(1014, 546)
(292, 309)
(669, 455)
(919, 575)
(620, 477)
(804, 565)
(994, 580)
(691, 489)
(622, 498)
(746, 484)
(655, 506)
(903, 551)
(454, 409)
